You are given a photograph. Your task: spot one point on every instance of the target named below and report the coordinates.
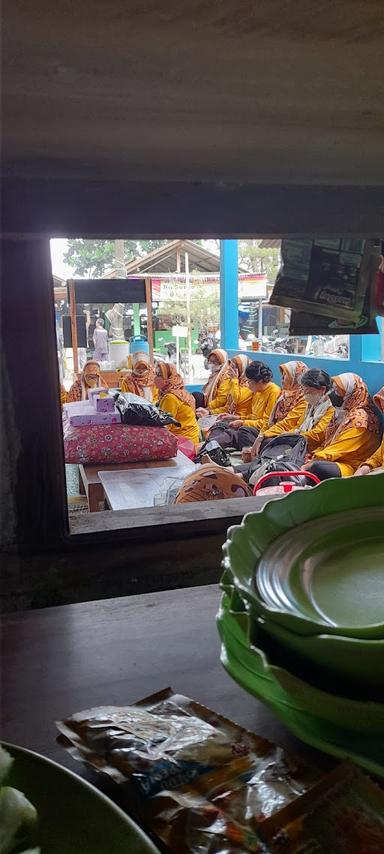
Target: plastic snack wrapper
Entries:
(201, 783)
(342, 814)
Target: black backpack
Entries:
(282, 453)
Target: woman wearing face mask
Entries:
(174, 398)
(353, 433)
(238, 402)
(309, 418)
(141, 379)
(90, 377)
(290, 398)
(215, 391)
(375, 462)
(265, 393)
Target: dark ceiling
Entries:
(263, 91)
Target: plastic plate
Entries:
(74, 817)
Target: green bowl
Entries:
(74, 817)
(248, 544)
(337, 725)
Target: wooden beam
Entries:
(73, 315)
(148, 300)
(32, 470)
(109, 209)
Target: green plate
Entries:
(359, 663)
(325, 574)
(247, 543)
(74, 817)
(337, 725)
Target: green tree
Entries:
(92, 258)
(259, 260)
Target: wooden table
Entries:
(61, 660)
(136, 485)
(91, 485)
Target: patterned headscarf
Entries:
(174, 384)
(357, 409)
(79, 389)
(241, 362)
(293, 391)
(214, 382)
(211, 483)
(379, 399)
(141, 376)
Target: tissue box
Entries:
(83, 414)
(94, 418)
(103, 404)
(96, 392)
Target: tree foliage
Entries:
(258, 260)
(92, 258)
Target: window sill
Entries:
(168, 522)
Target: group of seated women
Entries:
(341, 423)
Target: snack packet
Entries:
(343, 814)
(199, 781)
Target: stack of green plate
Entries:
(302, 614)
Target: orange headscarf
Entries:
(174, 384)
(142, 375)
(292, 393)
(79, 389)
(213, 383)
(357, 409)
(210, 483)
(241, 362)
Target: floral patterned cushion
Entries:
(117, 443)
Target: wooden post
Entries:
(148, 300)
(32, 483)
(72, 311)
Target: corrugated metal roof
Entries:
(270, 244)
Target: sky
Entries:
(59, 267)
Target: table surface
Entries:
(61, 660)
(136, 487)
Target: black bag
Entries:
(216, 453)
(282, 453)
(142, 414)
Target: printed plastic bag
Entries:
(329, 277)
(143, 413)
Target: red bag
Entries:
(117, 443)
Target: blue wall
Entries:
(372, 372)
(364, 353)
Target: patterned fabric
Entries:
(241, 363)
(292, 392)
(211, 483)
(174, 384)
(142, 375)
(357, 410)
(79, 389)
(379, 399)
(212, 385)
(117, 443)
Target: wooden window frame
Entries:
(33, 212)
